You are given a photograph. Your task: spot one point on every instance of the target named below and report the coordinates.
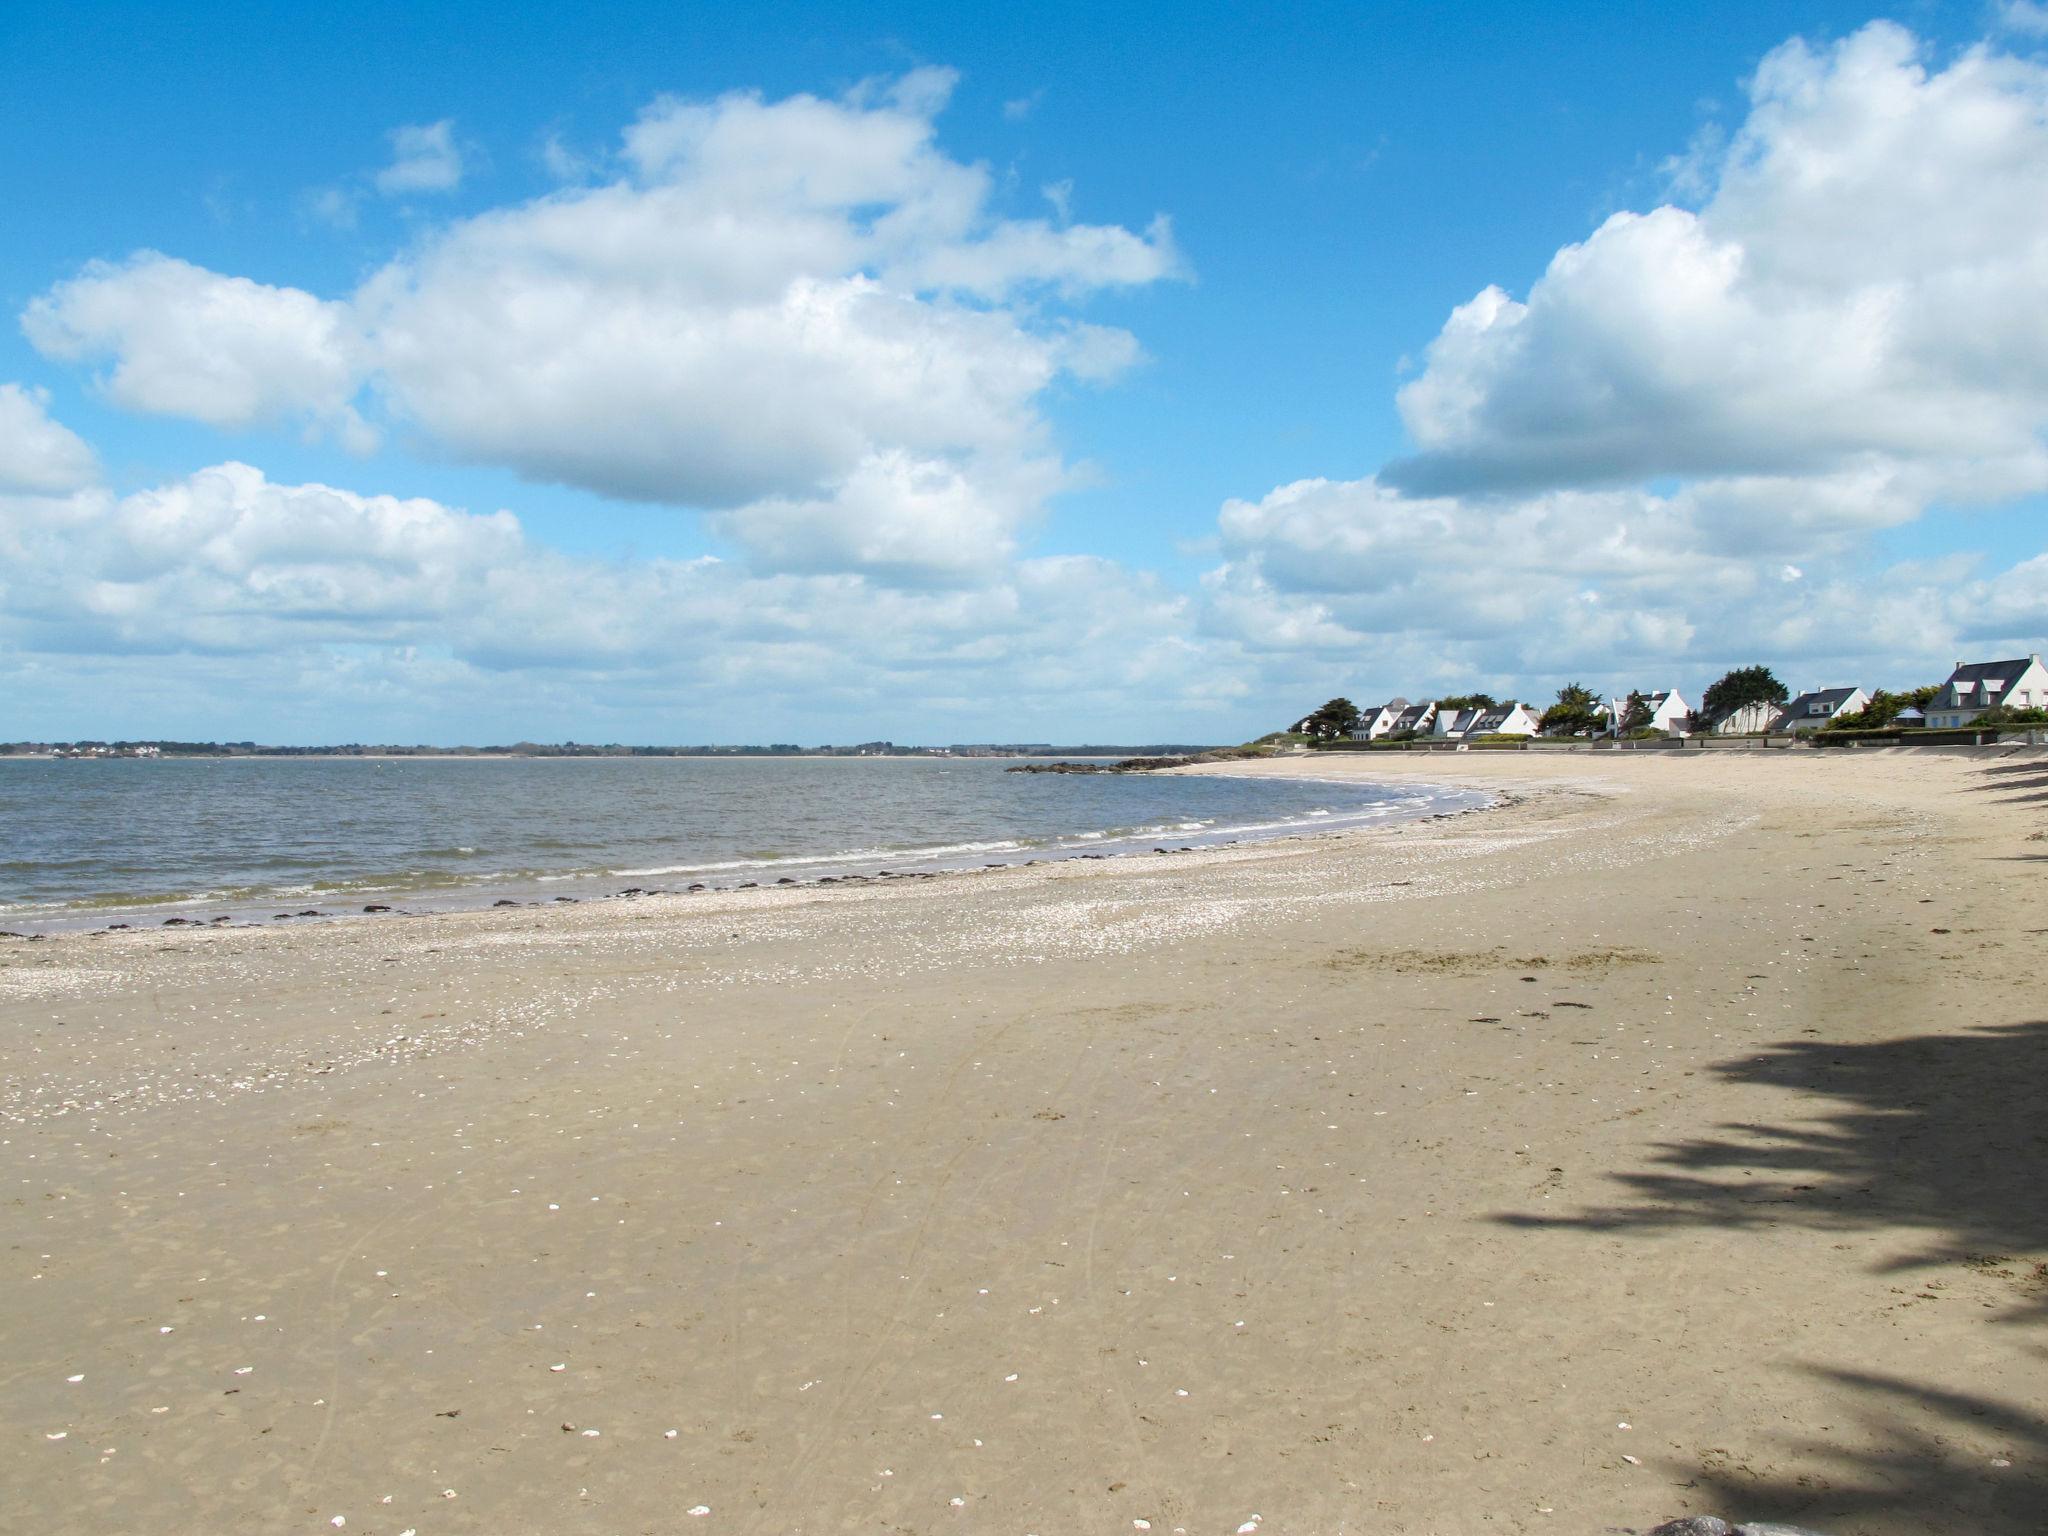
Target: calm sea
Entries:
(97, 840)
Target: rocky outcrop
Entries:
(1143, 764)
(1713, 1525)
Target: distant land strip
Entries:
(104, 749)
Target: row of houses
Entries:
(1971, 689)
(1399, 718)
(1669, 715)
(99, 749)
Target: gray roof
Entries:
(1977, 675)
(1978, 672)
(1494, 719)
(1833, 698)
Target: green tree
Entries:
(1333, 721)
(1576, 712)
(1743, 686)
(1636, 716)
(1468, 701)
(1881, 711)
(1884, 708)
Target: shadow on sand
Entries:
(1941, 1134)
(1920, 1482)
(2022, 783)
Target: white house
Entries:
(1375, 720)
(1668, 712)
(1747, 720)
(1415, 720)
(1811, 711)
(1499, 720)
(1970, 690)
(1454, 724)
(1509, 720)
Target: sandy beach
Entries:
(1669, 1139)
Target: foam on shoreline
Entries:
(424, 892)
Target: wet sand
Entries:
(1668, 1140)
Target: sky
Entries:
(671, 373)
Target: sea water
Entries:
(86, 842)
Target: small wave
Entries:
(809, 860)
(445, 870)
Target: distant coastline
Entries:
(90, 750)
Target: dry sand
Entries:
(1668, 1140)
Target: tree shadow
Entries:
(1922, 1480)
(2008, 777)
(1945, 1135)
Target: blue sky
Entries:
(914, 371)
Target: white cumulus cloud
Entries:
(188, 342)
(403, 605)
(2025, 16)
(1865, 282)
(1676, 447)
(37, 455)
(800, 313)
(424, 158)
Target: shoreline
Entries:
(387, 897)
(1663, 1141)
(556, 757)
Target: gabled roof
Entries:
(1619, 703)
(1617, 708)
(1988, 671)
(1833, 698)
(1493, 719)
